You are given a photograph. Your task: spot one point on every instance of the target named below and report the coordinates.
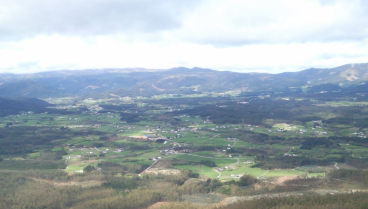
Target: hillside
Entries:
(28, 88)
(12, 106)
(345, 75)
(145, 82)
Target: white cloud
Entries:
(29, 18)
(235, 22)
(246, 35)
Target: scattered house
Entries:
(70, 157)
(320, 132)
(155, 158)
(154, 137)
(119, 150)
(185, 151)
(290, 155)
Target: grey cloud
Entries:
(25, 19)
(146, 19)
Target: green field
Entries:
(205, 139)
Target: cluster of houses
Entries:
(94, 108)
(118, 150)
(302, 131)
(320, 132)
(171, 151)
(175, 131)
(236, 175)
(252, 128)
(225, 168)
(168, 151)
(78, 126)
(65, 107)
(174, 109)
(72, 156)
(185, 151)
(154, 137)
(207, 121)
(223, 126)
(23, 114)
(360, 135)
(155, 158)
(290, 155)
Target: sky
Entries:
(236, 35)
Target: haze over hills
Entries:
(343, 76)
(126, 82)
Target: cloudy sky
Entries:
(238, 35)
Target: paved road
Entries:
(289, 150)
(149, 167)
(234, 144)
(263, 175)
(218, 173)
(337, 168)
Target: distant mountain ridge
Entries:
(139, 81)
(344, 75)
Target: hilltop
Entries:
(146, 82)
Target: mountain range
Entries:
(146, 82)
